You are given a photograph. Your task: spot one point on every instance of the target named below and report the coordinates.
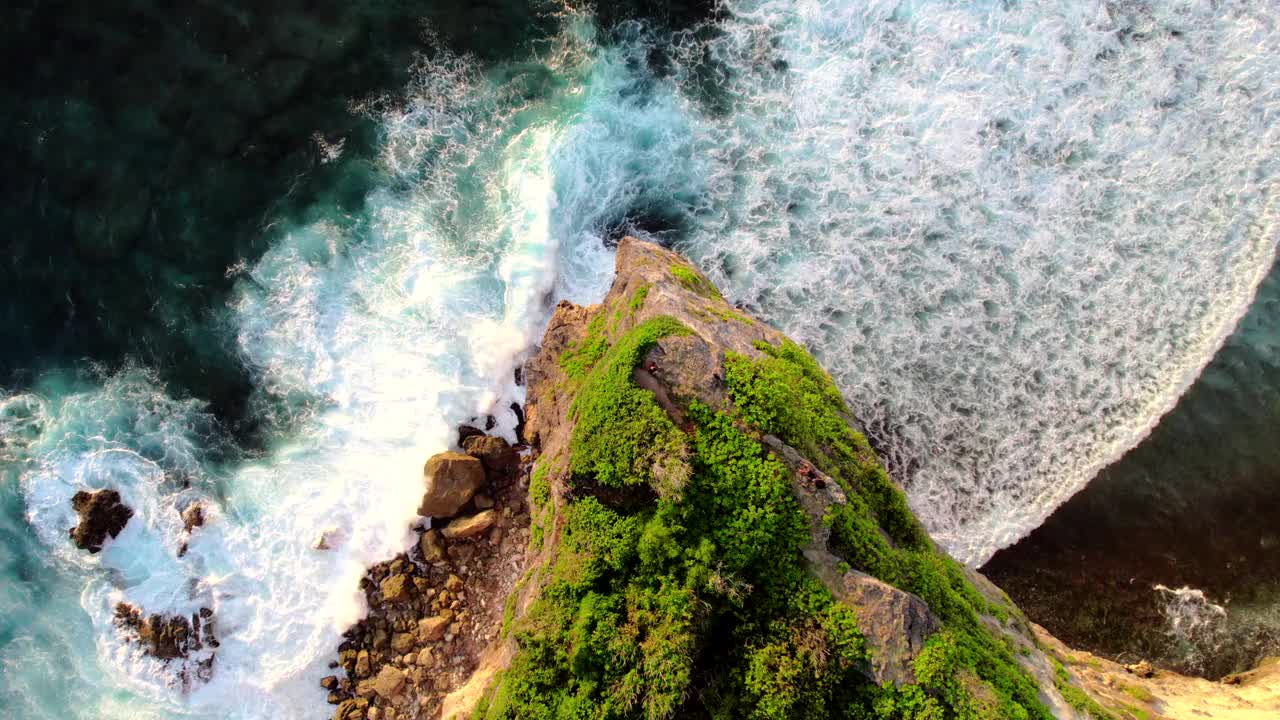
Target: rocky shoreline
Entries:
(433, 610)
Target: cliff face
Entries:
(712, 537)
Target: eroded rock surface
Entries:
(102, 515)
(449, 479)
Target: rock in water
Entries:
(101, 515)
(450, 480)
(193, 517)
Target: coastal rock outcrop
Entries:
(703, 531)
(449, 479)
(102, 515)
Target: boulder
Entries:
(401, 642)
(894, 623)
(389, 681)
(431, 629)
(450, 480)
(497, 456)
(102, 514)
(432, 546)
(395, 589)
(466, 527)
(362, 664)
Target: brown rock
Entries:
(362, 664)
(101, 515)
(426, 658)
(401, 642)
(329, 682)
(466, 527)
(450, 479)
(453, 583)
(193, 517)
(894, 623)
(432, 546)
(395, 589)
(389, 681)
(431, 629)
(483, 502)
(497, 456)
(1142, 669)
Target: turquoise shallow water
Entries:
(1014, 234)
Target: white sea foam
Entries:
(1014, 233)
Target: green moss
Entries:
(621, 436)
(637, 298)
(1137, 692)
(786, 393)
(1076, 697)
(540, 484)
(693, 281)
(580, 357)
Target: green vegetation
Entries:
(578, 359)
(637, 298)
(693, 280)
(1137, 692)
(694, 601)
(1076, 697)
(622, 437)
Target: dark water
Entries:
(1197, 504)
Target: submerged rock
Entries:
(102, 514)
(450, 480)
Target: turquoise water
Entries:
(1015, 235)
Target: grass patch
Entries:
(1076, 697)
(1139, 693)
(621, 436)
(693, 281)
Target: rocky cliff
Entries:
(705, 533)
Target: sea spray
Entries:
(1013, 233)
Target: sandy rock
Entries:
(389, 681)
(362, 664)
(395, 589)
(431, 629)
(432, 546)
(1142, 669)
(466, 527)
(102, 514)
(426, 658)
(401, 642)
(449, 479)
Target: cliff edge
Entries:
(710, 536)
